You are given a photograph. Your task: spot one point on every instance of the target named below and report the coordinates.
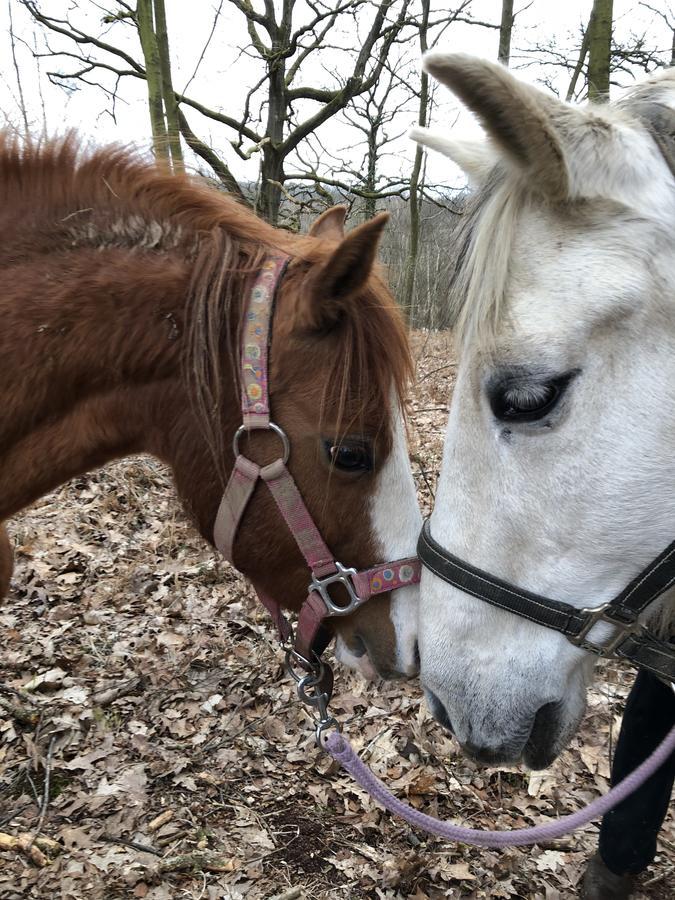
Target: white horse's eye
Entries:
(526, 399)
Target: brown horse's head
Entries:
(339, 366)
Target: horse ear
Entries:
(330, 224)
(519, 118)
(334, 284)
(475, 158)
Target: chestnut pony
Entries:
(122, 295)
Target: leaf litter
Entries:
(148, 730)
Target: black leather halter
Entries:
(630, 640)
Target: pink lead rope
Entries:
(342, 751)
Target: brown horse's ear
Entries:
(331, 286)
(330, 224)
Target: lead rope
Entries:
(310, 683)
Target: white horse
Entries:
(558, 473)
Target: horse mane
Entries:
(74, 195)
(483, 245)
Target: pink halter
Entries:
(325, 570)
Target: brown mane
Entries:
(114, 197)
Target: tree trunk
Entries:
(414, 203)
(272, 180)
(146, 32)
(599, 50)
(272, 167)
(370, 207)
(505, 29)
(169, 96)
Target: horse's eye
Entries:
(350, 456)
(527, 400)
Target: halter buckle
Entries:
(344, 577)
(597, 614)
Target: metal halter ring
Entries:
(271, 426)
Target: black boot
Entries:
(600, 883)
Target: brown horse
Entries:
(121, 303)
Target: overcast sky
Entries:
(224, 74)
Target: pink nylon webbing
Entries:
(235, 499)
(388, 577)
(296, 515)
(255, 405)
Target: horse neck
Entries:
(92, 345)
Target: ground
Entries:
(149, 734)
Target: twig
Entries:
(426, 375)
(20, 713)
(135, 845)
(198, 860)
(105, 698)
(425, 476)
(13, 815)
(159, 820)
(656, 878)
(45, 792)
(24, 842)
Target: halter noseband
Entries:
(311, 638)
(631, 640)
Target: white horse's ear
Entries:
(475, 158)
(518, 117)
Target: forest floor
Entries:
(148, 731)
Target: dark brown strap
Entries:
(638, 646)
(551, 613)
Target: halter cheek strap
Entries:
(325, 570)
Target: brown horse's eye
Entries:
(349, 455)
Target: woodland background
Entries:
(147, 731)
(294, 105)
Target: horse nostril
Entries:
(438, 711)
(489, 756)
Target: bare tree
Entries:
(600, 49)
(505, 29)
(282, 40)
(17, 71)
(284, 51)
(669, 20)
(638, 51)
(415, 199)
(581, 60)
